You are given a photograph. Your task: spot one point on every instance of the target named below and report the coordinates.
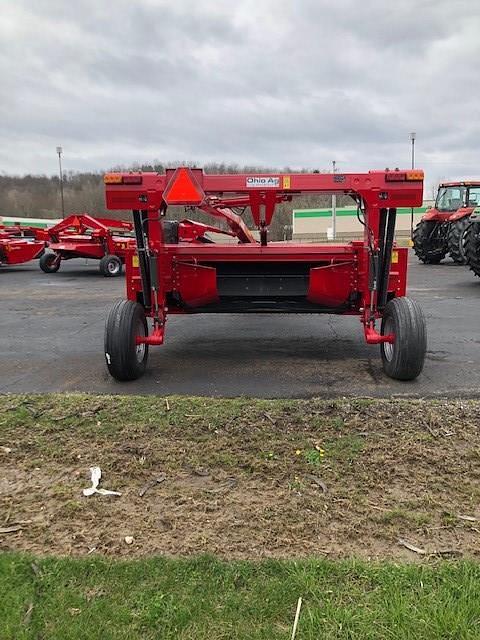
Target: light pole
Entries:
(413, 135)
(334, 206)
(59, 151)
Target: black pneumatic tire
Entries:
(472, 246)
(110, 266)
(125, 359)
(49, 262)
(404, 359)
(170, 231)
(456, 240)
(429, 248)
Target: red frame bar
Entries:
(218, 195)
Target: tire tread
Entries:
(455, 239)
(472, 247)
(411, 339)
(119, 341)
(419, 238)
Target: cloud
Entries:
(268, 82)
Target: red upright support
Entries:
(196, 275)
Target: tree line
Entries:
(38, 196)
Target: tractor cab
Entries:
(451, 198)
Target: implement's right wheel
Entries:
(126, 360)
(429, 241)
(49, 262)
(404, 358)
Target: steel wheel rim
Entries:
(388, 347)
(112, 267)
(140, 348)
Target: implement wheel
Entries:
(456, 239)
(472, 246)
(49, 262)
(126, 360)
(404, 358)
(429, 242)
(110, 266)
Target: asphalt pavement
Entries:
(51, 339)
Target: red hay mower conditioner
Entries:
(178, 269)
(20, 244)
(82, 236)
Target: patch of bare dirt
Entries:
(241, 479)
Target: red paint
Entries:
(194, 275)
(83, 236)
(20, 244)
(457, 214)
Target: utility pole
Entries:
(59, 151)
(413, 135)
(334, 206)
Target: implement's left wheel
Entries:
(126, 360)
(404, 358)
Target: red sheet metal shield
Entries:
(183, 189)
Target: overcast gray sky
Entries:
(265, 82)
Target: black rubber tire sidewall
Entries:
(420, 243)
(104, 266)
(455, 239)
(46, 261)
(472, 246)
(120, 333)
(410, 344)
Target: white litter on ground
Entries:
(96, 474)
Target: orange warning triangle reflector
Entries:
(183, 189)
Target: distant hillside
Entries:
(34, 196)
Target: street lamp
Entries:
(334, 205)
(413, 135)
(59, 151)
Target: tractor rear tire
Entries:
(49, 262)
(170, 231)
(126, 360)
(110, 266)
(429, 246)
(404, 359)
(456, 240)
(472, 247)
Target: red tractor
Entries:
(442, 229)
(178, 267)
(20, 244)
(82, 236)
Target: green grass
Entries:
(204, 598)
(358, 447)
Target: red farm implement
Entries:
(20, 244)
(176, 268)
(82, 236)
